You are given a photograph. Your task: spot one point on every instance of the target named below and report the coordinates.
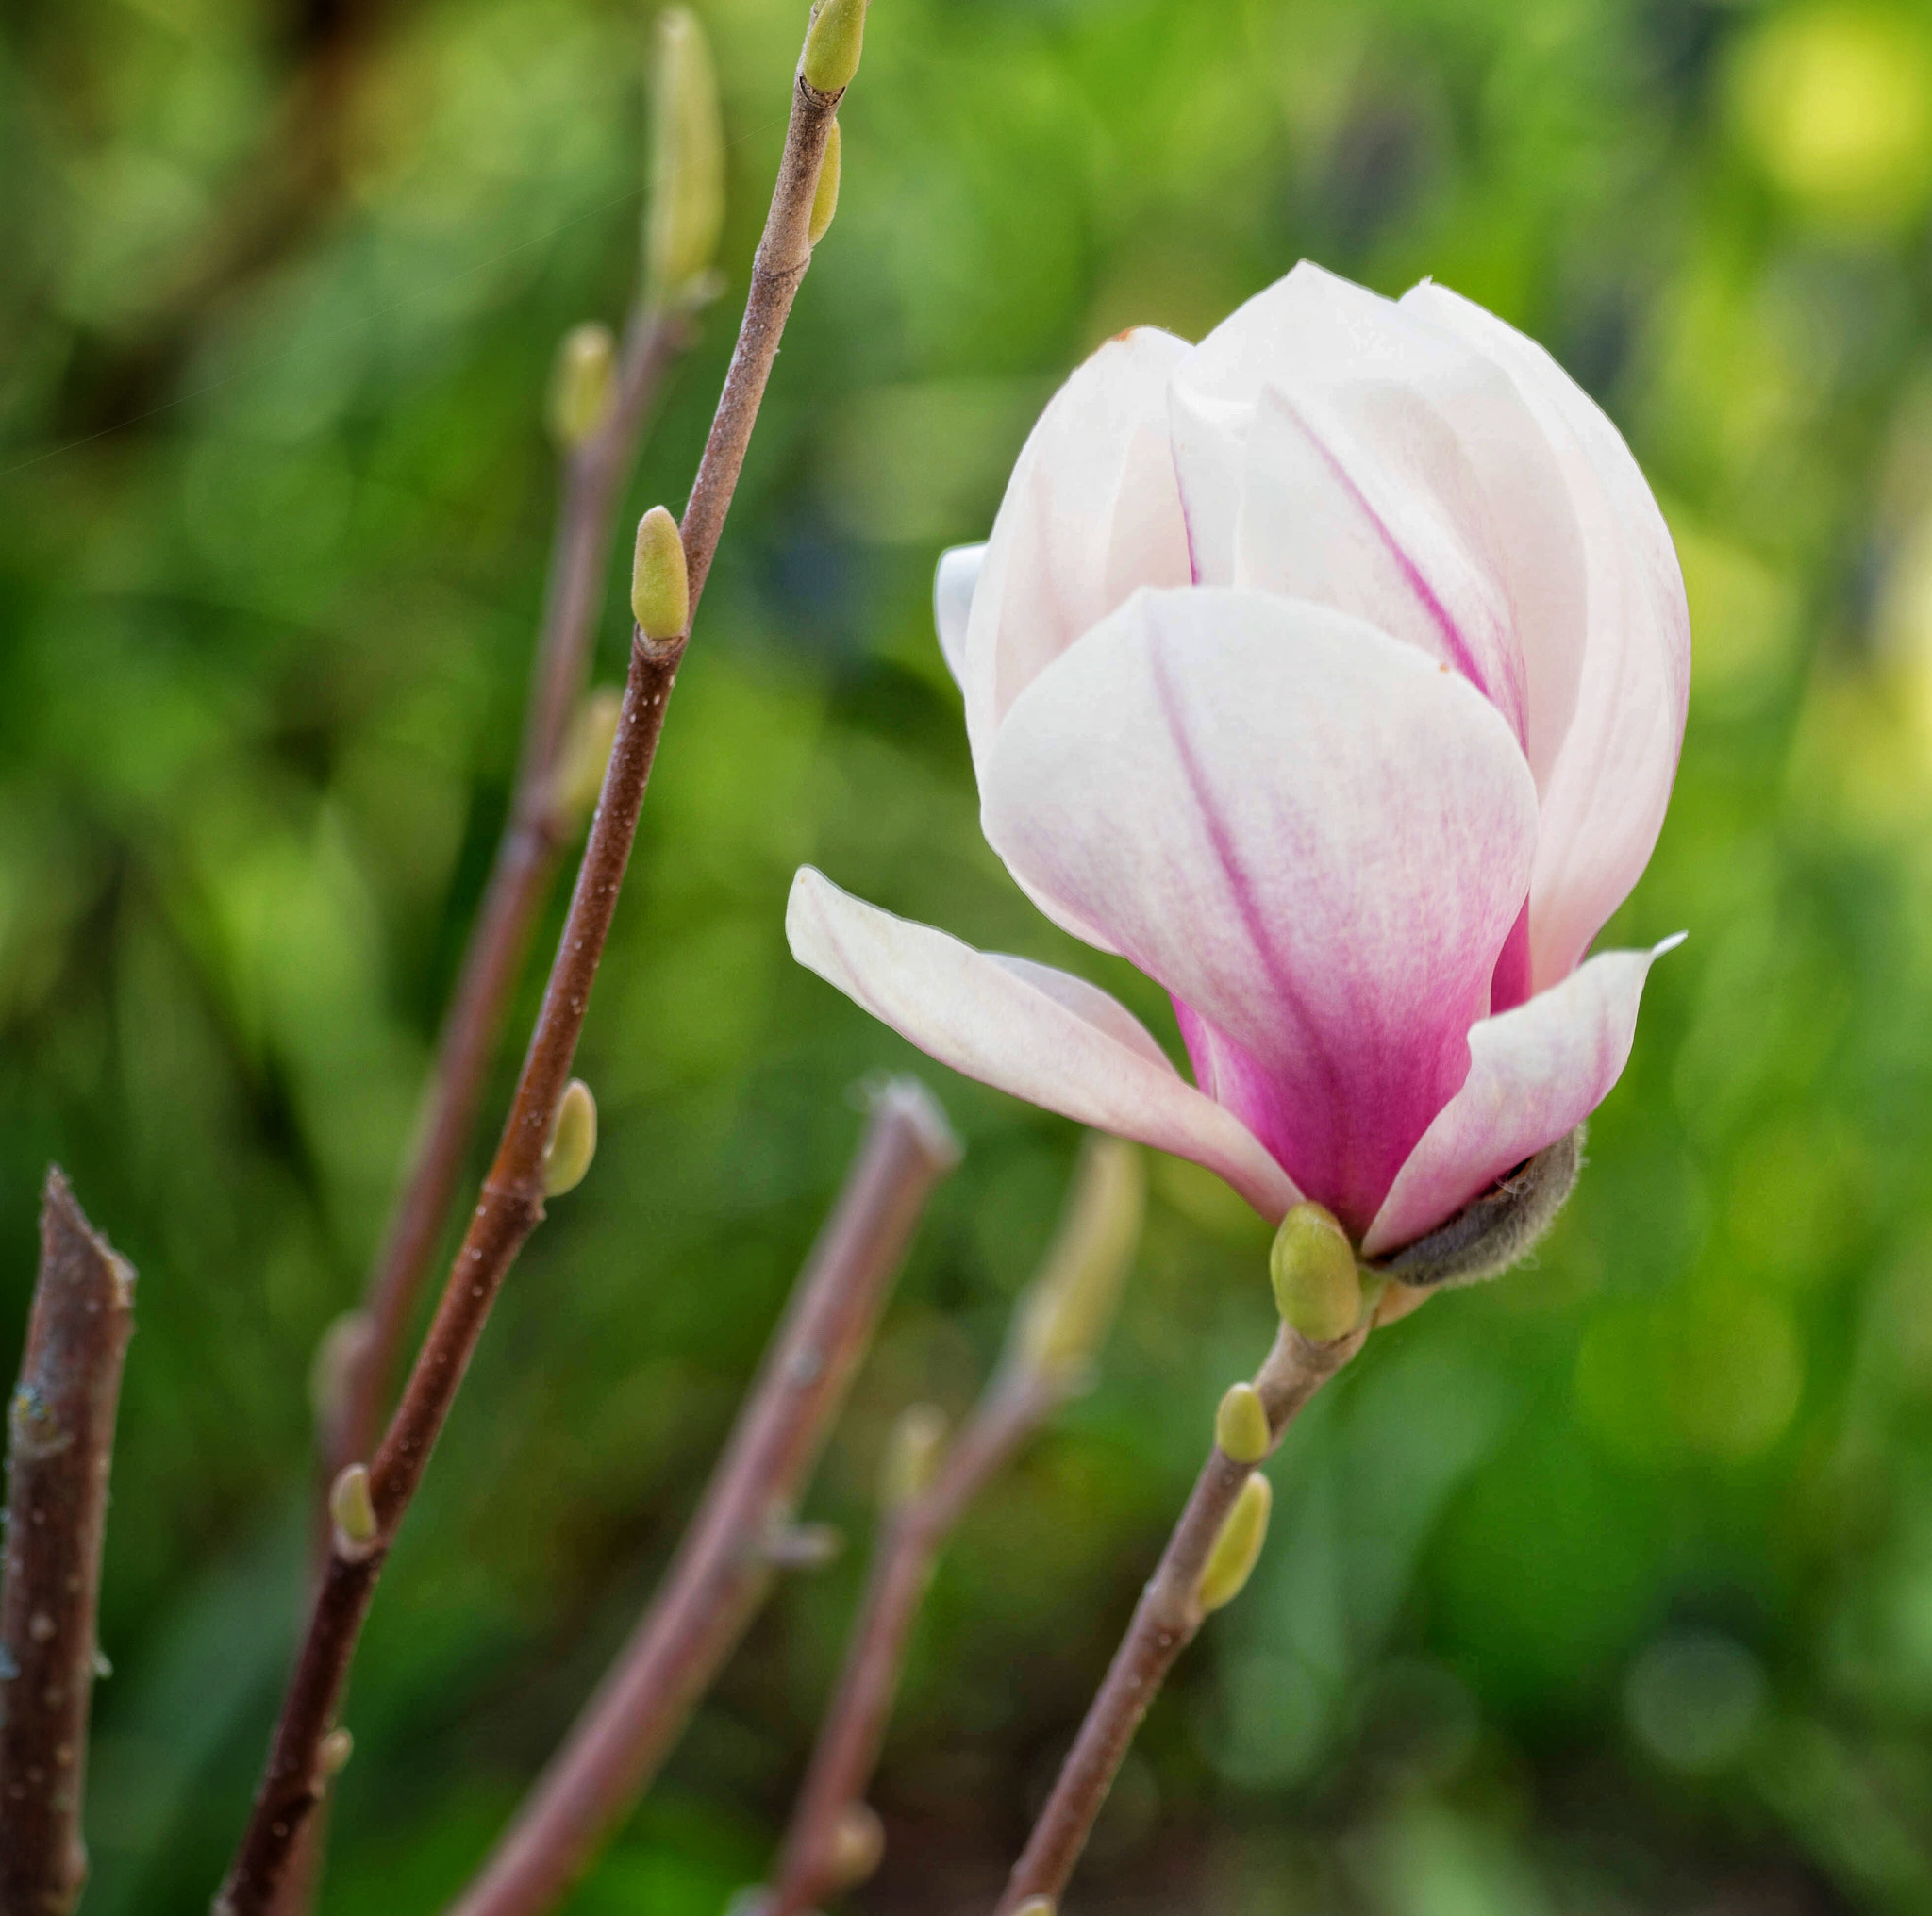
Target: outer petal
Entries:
(1092, 511)
(1534, 1074)
(952, 587)
(1604, 802)
(1418, 455)
(1313, 835)
(1044, 1035)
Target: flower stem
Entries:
(61, 1440)
(1165, 1621)
(721, 1570)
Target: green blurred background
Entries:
(1607, 1588)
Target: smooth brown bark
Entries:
(61, 1444)
(721, 1570)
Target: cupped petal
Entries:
(1092, 511)
(953, 586)
(1043, 1035)
(1535, 1074)
(1313, 835)
(1603, 804)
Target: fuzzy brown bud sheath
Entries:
(60, 1441)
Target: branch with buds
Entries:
(834, 1840)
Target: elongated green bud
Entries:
(1063, 1319)
(1318, 1289)
(687, 207)
(912, 1455)
(333, 1753)
(824, 201)
(1237, 1549)
(352, 1510)
(581, 384)
(1240, 1426)
(573, 1139)
(659, 586)
(833, 45)
(586, 753)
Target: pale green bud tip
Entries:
(352, 1510)
(824, 201)
(833, 45)
(687, 209)
(659, 586)
(856, 1846)
(1065, 1315)
(581, 383)
(333, 1753)
(1036, 1905)
(1317, 1288)
(586, 750)
(1240, 1426)
(1237, 1549)
(912, 1455)
(573, 1139)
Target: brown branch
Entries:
(721, 1570)
(1014, 1406)
(1165, 1621)
(593, 476)
(511, 1203)
(60, 1441)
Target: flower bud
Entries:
(659, 585)
(1237, 1549)
(687, 206)
(581, 384)
(1318, 1289)
(912, 1455)
(1064, 1317)
(573, 1139)
(1240, 1426)
(1036, 1905)
(854, 1848)
(338, 1357)
(833, 44)
(333, 1753)
(824, 200)
(586, 754)
(352, 1510)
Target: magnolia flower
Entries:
(1333, 672)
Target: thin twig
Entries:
(511, 1203)
(592, 479)
(1165, 1621)
(61, 1442)
(722, 1568)
(1014, 1406)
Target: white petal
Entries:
(1604, 802)
(953, 586)
(1043, 1035)
(1534, 1074)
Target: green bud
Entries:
(855, 1846)
(833, 45)
(352, 1510)
(1036, 1905)
(687, 205)
(912, 1455)
(1240, 1426)
(659, 586)
(337, 1357)
(1064, 1316)
(581, 384)
(824, 200)
(573, 1139)
(1237, 1549)
(1318, 1289)
(586, 752)
(333, 1753)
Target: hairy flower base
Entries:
(1494, 1230)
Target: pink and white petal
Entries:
(1534, 1074)
(1604, 803)
(1325, 517)
(1092, 511)
(1313, 835)
(952, 585)
(1043, 1035)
